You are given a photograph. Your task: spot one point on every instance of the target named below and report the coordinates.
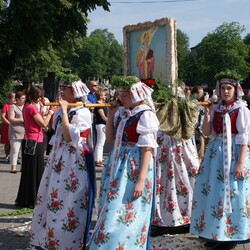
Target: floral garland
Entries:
(124, 82)
(228, 74)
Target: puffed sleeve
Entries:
(147, 127)
(243, 127)
(80, 122)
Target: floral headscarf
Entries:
(239, 90)
(138, 90)
(79, 88)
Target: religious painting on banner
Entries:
(150, 51)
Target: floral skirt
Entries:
(63, 208)
(123, 223)
(177, 165)
(210, 219)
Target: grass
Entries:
(17, 212)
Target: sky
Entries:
(196, 18)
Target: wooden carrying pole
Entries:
(93, 105)
(77, 104)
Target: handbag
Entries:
(30, 147)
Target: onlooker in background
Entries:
(5, 124)
(16, 129)
(197, 93)
(93, 87)
(188, 92)
(44, 112)
(214, 97)
(181, 90)
(100, 124)
(32, 165)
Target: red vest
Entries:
(129, 133)
(218, 121)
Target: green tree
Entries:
(30, 27)
(115, 59)
(221, 50)
(183, 54)
(100, 56)
(246, 40)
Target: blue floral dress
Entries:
(63, 208)
(124, 223)
(221, 203)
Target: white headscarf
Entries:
(79, 89)
(140, 92)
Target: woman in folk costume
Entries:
(221, 204)
(127, 186)
(64, 202)
(177, 165)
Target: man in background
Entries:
(197, 95)
(93, 87)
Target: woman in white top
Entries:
(16, 129)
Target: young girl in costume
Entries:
(127, 187)
(63, 208)
(177, 165)
(221, 203)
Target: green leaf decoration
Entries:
(124, 82)
(232, 74)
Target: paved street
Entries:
(14, 230)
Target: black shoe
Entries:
(17, 204)
(211, 244)
(13, 171)
(225, 246)
(158, 231)
(184, 229)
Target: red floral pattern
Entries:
(217, 210)
(52, 243)
(200, 223)
(72, 182)
(71, 221)
(54, 202)
(231, 229)
(102, 236)
(142, 237)
(126, 215)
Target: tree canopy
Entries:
(41, 36)
(100, 56)
(221, 50)
(36, 32)
(183, 53)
